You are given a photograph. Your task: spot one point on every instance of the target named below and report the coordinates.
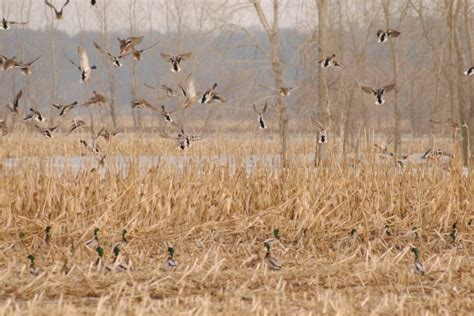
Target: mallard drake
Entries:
(124, 237)
(94, 242)
(283, 91)
(119, 266)
(47, 235)
(378, 92)
(7, 24)
(13, 106)
(271, 261)
(166, 114)
(322, 138)
(127, 45)
(77, 123)
(59, 13)
(261, 122)
(35, 115)
(141, 103)
(100, 261)
(114, 59)
(329, 61)
(33, 269)
(175, 61)
(8, 63)
(64, 109)
(46, 132)
(97, 98)
(84, 68)
(454, 233)
(418, 266)
(383, 36)
(207, 96)
(469, 71)
(273, 240)
(138, 53)
(171, 263)
(25, 67)
(3, 128)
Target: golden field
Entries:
(217, 216)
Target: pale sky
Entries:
(294, 13)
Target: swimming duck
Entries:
(114, 59)
(7, 24)
(59, 13)
(418, 266)
(13, 106)
(25, 67)
(33, 269)
(84, 68)
(97, 98)
(271, 261)
(175, 61)
(378, 92)
(36, 115)
(94, 242)
(171, 263)
(46, 132)
(64, 109)
(329, 61)
(127, 45)
(383, 36)
(166, 114)
(261, 122)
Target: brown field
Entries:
(217, 218)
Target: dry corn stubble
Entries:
(217, 217)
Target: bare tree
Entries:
(272, 32)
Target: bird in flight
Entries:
(84, 67)
(175, 61)
(378, 92)
(59, 13)
(7, 24)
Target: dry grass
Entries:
(217, 218)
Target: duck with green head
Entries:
(33, 269)
(94, 242)
(171, 263)
(271, 261)
(418, 267)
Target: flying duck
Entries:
(168, 91)
(97, 98)
(469, 71)
(36, 115)
(127, 45)
(84, 68)
(93, 2)
(7, 24)
(141, 103)
(138, 53)
(106, 134)
(46, 132)
(114, 59)
(261, 122)
(94, 149)
(59, 13)
(76, 123)
(8, 63)
(383, 36)
(64, 109)
(378, 92)
(329, 61)
(166, 114)
(190, 92)
(175, 61)
(13, 106)
(283, 91)
(182, 139)
(25, 67)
